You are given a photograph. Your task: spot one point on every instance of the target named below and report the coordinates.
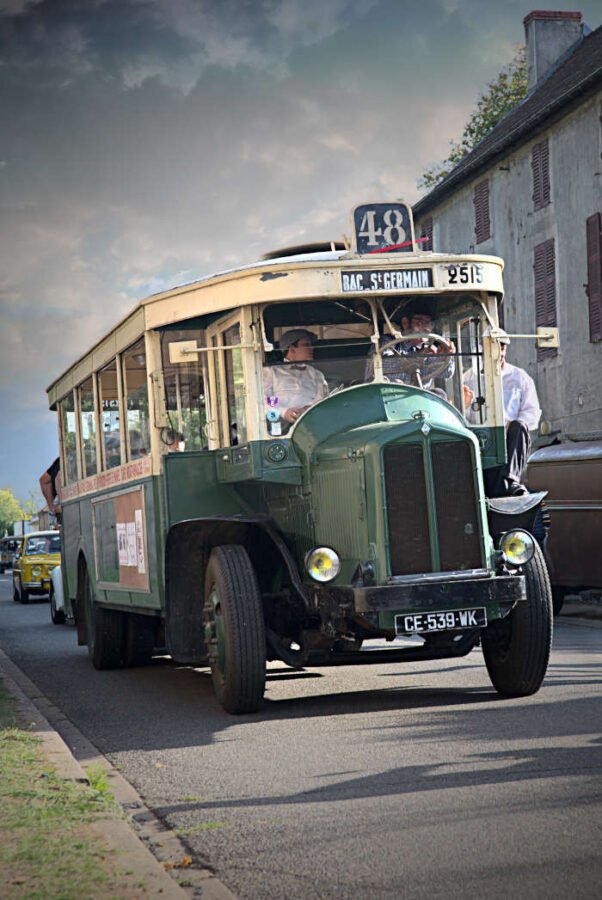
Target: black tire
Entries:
(139, 639)
(16, 597)
(517, 648)
(23, 594)
(105, 631)
(558, 595)
(234, 629)
(2, 570)
(57, 616)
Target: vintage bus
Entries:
(201, 516)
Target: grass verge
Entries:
(48, 846)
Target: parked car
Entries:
(59, 610)
(39, 555)
(8, 547)
(571, 473)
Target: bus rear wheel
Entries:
(105, 631)
(139, 639)
(234, 629)
(517, 648)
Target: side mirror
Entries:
(182, 351)
(547, 338)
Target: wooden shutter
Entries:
(540, 164)
(594, 275)
(544, 270)
(482, 226)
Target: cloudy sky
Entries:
(144, 143)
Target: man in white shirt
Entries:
(522, 413)
(294, 386)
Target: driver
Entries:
(416, 323)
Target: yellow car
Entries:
(38, 556)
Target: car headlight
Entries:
(517, 547)
(322, 564)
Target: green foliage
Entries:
(10, 511)
(97, 777)
(501, 96)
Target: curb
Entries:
(130, 839)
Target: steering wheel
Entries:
(409, 363)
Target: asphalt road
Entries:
(378, 781)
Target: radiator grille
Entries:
(407, 508)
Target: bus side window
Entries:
(88, 428)
(184, 383)
(109, 403)
(135, 390)
(69, 438)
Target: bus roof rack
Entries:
(298, 249)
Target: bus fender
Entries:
(187, 549)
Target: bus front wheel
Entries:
(517, 648)
(234, 629)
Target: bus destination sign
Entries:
(386, 280)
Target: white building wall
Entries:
(570, 384)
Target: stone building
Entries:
(531, 192)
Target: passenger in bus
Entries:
(522, 413)
(293, 387)
(416, 319)
(175, 441)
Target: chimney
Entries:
(548, 36)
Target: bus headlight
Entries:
(322, 564)
(36, 571)
(517, 547)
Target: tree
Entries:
(10, 510)
(501, 96)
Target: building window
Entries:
(594, 275)
(544, 270)
(540, 164)
(425, 241)
(482, 226)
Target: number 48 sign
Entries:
(383, 228)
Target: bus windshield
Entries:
(322, 347)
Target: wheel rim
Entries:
(214, 632)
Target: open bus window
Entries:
(68, 438)
(109, 403)
(343, 349)
(88, 428)
(339, 332)
(473, 384)
(185, 389)
(135, 389)
(235, 385)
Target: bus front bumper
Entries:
(496, 594)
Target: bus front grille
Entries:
(432, 519)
